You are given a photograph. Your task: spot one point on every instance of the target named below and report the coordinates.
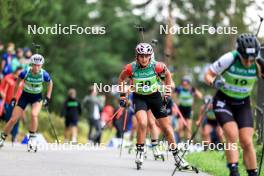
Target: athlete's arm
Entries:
(125, 73)
(218, 67)
(198, 93)
(16, 87)
(162, 69)
(3, 88)
(48, 79)
(49, 89)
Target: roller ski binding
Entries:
(32, 143)
(158, 155)
(181, 164)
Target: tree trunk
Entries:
(168, 49)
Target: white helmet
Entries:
(144, 48)
(37, 59)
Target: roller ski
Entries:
(32, 143)
(181, 164)
(140, 156)
(2, 139)
(158, 155)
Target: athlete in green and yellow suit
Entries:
(144, 74)
(238, 71)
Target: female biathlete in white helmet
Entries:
(238, 71)
(33, 78)
(152, 129)
(144, 74)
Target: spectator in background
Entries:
(28, 53)
(186, 95)
(24, 63)
(7, 92)
(92, 105)
(106, 114)
(15, 61)
(6, 65)
(71, 111)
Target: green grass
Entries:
(214, 162)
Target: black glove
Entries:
(123, 100)
(13, 102)
(122, 103)
(218, 83)
(46, 102)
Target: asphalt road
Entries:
(15, 160)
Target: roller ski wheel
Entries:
(32, 143)
(188, 168)
(139, 165)
(30, 148)
(140, 159)
(2, 139)
(159, 157)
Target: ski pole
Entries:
(51, 124)
(141, 30)
(181, 116)
(262, 153)
(154, 42)
(124, 128)
(197, 129)
(37, 47)
(192, 137)
(261, 20)
(113, 116)
(261, 160)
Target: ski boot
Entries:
(233, 168)
(2, 139)
(234, 173)
(140, 155)
(181, 164)
(157, 153)
(252, 172)
(32, 143)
